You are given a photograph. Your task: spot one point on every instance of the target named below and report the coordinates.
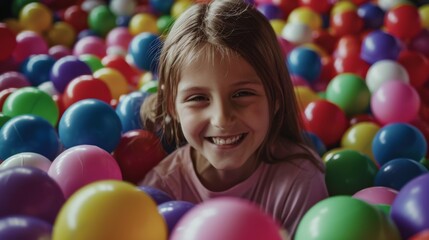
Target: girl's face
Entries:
(223, 111)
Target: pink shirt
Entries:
(286, 190)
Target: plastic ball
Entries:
(109, 209)
(137, 153)
(161, 6)
(422, 235)
(379, 45)
(351, 64)
(157, 195)
(7, 42)
(43, 105)
(114, 80)
(398, 140)
(13, 79)
(31, 192)
(76, 17)
(179, 7)
(36, 17)
(424, 15)
(413, 196)
(377, 195)
(398, 172)
(66, 69)
(144, 50)
(416, 65)
(226, 218)
(403, 21)
(119, 36)
(305, 95)
(90, 45)
(359, 137)
(345, 217)
(120, 63)
(123, 7)
(83, 164)
(101, 20)
(372, 15)
(173, 211)
(395, 101)
(306, 16)
(29, 43)
(24, 227)
(143, 22)
(90, 121)
(29, 133)
(320, 6)
(27, 159)
(349, 171)
(164, 23)
(419, 43)
(346, 23)
(37, 68)
(297, 33)
(61, 33)
(128, 110)
(316, 142)
(59, 51)
(270, 11)
(319, 112)
(384, 71)
(93, 62)
(343, 6)
(349, 92)
(304, 62)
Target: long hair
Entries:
(229, 27)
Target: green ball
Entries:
(92, 61)
(17, 5)
(345, 217)
(164, 23)
(349, 171)
(150, 87)
(349, 92)
(31, 100)
(101, 20)
(3, 119)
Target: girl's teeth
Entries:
(223, 141)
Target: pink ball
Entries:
(377, 195)
(59, 51)
(226, 218)
(90, 45)
(13, 79)
(119, 36)
(395, 101)
(81, 165)
(29, 43)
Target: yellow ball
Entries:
(62, 33)
(343, 6)
(305, 95)
(278, 25)
(35, 17)
(307, 16)
(179, 7)
(424, 15)
(109, 210)
(359, 137)
(143, 22)
(114, 79)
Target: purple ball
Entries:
(379, 45)
(372, 15)
(173, 211)
(24, 227)
(157, 195)
(410, 210)
(270, 11)
(66, 69)
(29, 191)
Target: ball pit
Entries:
(47, 45)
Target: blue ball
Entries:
(29, 133)
(144, 50)
(161, 6)
(305, 63)
(398, 140)
(315, 142)
(372, 15)
(91, 122)
(128, 110)
(398, 172)
(37, 68)
(157, 195)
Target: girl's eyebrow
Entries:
(193, 88)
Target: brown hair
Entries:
(228, 27)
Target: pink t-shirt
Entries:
(285, 190)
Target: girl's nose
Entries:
(222, 115)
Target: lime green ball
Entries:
(31, 100)
(345, 217)
(101, 20)
(348, 171)
(92, 61)
(350, 92)
(150, 87)
(3, 119)
(164, 23)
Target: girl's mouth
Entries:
(229, 140)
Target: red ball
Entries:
(326, 120)
(319, 6)
(137, 153)
(348, 45)
(7, 42)
(119, 63)
(84, 87)
(403, 21)
(4, 94)
(351, 64)
(417, 66)
(76, 17)
(346, 23)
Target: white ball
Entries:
(386, 5)
(27, 159)
(297, 33)
(383, 71)
(123, 7)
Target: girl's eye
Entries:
(196, 98)
(243, 94)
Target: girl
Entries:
(226, 93)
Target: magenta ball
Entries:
(395, 101)
(119, 36)
(377, 195)
(81, 165)
(29, 43)
(13, 79)
(29, 191)
(59, 51)
(90, 45)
